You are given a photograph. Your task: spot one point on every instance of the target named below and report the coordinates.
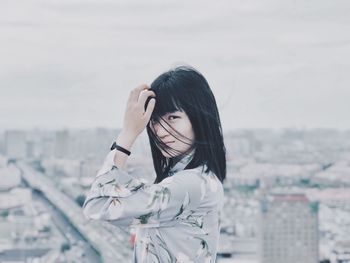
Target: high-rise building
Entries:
(15, 144)
(30, 149)
(62, 144)
(288, 229)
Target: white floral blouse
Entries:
(177, 220)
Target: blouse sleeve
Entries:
(117, 196)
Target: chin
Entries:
(166, 155)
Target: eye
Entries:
(173, 117)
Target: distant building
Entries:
(10, 178)
(15, 198)
(47, 147)
(2, 144)
(288, 229)
(15, 144)
(341, 252)
(30, 149)
(62, 144)
(335, 174)
(237, 249)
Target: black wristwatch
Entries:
(119, 148)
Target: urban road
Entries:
(71, 221)
(72, 235)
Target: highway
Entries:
(111, 246)
(73, 237)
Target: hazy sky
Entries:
(271, 64)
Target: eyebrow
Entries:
(166, 114)
(176, 112)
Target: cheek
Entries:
(186, 130)
(190, 132)
(191, 135)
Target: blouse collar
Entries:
(182, 163)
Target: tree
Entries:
(4, 213)
(64, 247)
(80, 199)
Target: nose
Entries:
(159, 130)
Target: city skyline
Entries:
(268, 174)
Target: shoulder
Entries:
(194, 178)
(184, 181)
(189, 175)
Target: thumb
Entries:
(150, 108)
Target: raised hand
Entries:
(136, 117)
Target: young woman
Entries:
(177, 216)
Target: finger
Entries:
(147, 92)
(144, 95)
(134, 94)
(150, 109)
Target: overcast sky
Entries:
(270, 64)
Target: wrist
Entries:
(125, 140)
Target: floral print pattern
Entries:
(177, 220)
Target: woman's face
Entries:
(181, 127)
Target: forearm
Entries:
(126, 141)
(135, 120)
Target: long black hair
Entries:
(185, 89)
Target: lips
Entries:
(169, 142)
